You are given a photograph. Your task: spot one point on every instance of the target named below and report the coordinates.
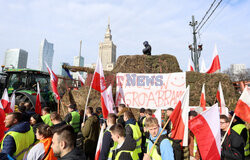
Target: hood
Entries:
(93, 118)
(21, 127)
(131, 121)
(154, 138)
(129, 144)
(122, 111)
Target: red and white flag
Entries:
(12, 102)
(179, 119)
(242, 109)
(108, 99)
(206, 129)
(220, 98)
(80, 78)
(99, 144)
(203, 66)
(190, 67)
(2, 125)
(99, 84)
(53, 81)
(120, 98)
(38, 107)
(215, 66)
(5, 99)
(203, 98)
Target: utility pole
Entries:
(194, 48)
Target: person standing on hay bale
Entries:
(147, 49)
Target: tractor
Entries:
(24, 83)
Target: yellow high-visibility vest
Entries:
(23, 141)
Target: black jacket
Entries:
(75, 154)
(128, 145)
(107, 143)
(140, 123)
(233, 147)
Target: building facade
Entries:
(107, 51)
(46, 54)
(16, 58)
(237, 68)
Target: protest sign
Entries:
(153, 91)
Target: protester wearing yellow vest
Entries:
(19, 138)
(166, 150)
(107, 141)
(125, 148)
(46, 116)
(133, 130)
(73, 118)
(240, 128)
(42, 150)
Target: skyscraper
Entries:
(16, 58)
(46, 55)
(107, 51)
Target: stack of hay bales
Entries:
(156, 64)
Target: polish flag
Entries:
(215, 66)
(38, 106)
(5, 99)
(179, 119)
(190, 67)
(99, 144)
(108, 99)
(242, 109)
(11, 106)
(107, 102)
(120, 98)
(203, 66)
(220, 98)
(206, 129)
(203, 98)
(98, 83)
(2, 125)
(53, 81)
(80, 78)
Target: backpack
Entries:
(176, 144)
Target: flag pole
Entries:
(86, 103)
(58, 106)
(227, 129)
(159, 136)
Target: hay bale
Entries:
(158, 64)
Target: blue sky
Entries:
(164, 23)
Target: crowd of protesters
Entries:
(126, 137)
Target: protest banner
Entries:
(150, 90)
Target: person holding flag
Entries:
(233, 145)
(90, 132)
(107, 141)
(163, 149)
